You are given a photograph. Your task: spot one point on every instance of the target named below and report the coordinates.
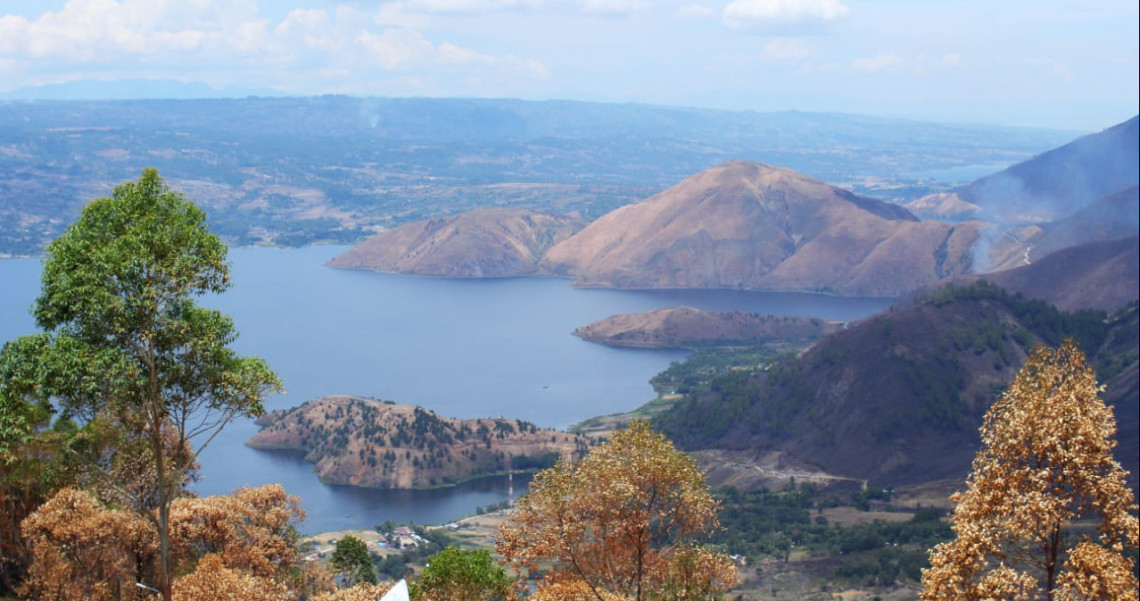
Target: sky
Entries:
(1051, 63)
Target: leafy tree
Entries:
(457, 575)
(1046, 461)
(124, 343)
(351, 558)
(620, 523)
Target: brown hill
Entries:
(684, 327)
(748, 225)
(1096, 275)
(898, 398)
(1111, 217)
(479, 243)
(378, 444)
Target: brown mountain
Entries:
(684, 327)
(479, 243)
(898, 398)
(378, 444)
(748, 225)
(1096, 275)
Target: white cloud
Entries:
(695, 11)
(783, 15)
(952, 59)
(306, 50)
(784, 49)
(876, 63)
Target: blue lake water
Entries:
(462, 348)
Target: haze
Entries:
(1041, 63)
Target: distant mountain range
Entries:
(295, 171)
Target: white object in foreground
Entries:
(397, 593)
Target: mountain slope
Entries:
(748, 225)
(376, 444)
(1096, 275)
(898, 398)
(479, 243)
(1060, 182)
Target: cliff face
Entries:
(377, 444)
(748, 225)
(479, 243)
(680, 327)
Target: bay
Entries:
(463, 348)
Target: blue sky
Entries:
(1049, 63)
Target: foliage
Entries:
(1045, 462)
(125, 344)
(214, 581)
(621, 521)
(84, 549)
(360, 592)
(352, 560)
(458, 575)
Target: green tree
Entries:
(124, 343)
(351, 558)
(1045, 462)
(458, 575)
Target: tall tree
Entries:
(124, 341)
(620, 522)
(352, 560)
(458, 575)
(1046, 461)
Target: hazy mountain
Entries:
(479, 243)
(748, 225)
(898, 398)
(1055, 184)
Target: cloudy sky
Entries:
(1055, 63)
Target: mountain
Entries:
(377, 444)
(898, 398)
(1054, 184)
(1095, 275)
(686, 327)
(748, 225)
(479, 243)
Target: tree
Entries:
(458, 575)
(351, 558)
(1046, 461)
(620, 524)
(124, 342)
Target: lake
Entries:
(462, 348)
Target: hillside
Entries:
(479, 243)
(898, 398)
(377, 444)
(1095, 275)
(1052, 185)
(685, 327)
(748, 225)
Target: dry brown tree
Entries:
(1045, 464)
(622, 523)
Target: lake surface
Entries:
(462, 348)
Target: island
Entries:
(371, 443)
(686, 327)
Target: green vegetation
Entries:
(458, 575)
(352, 561)
(695, 374)
(769, 525)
